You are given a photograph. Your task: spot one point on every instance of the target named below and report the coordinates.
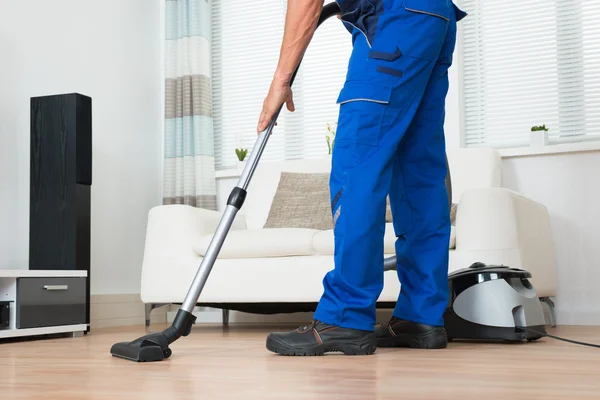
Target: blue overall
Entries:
(390, 142)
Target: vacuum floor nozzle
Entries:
(153, 347)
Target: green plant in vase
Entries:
(539, 136)
(539, 128)
(330, 137)
(241, 154)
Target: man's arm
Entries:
(300, 25)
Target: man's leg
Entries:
(359, 184)
(422, 251)
(360, 177)
(419, 202)
(382, 93)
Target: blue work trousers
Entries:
(390, 142)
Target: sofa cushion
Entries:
(278, 242)
(323, 242)
(452, 238)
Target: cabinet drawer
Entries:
(50, 302)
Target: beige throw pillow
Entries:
(302, 200)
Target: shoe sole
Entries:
(356, 348)
(436, 339)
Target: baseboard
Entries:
(112, 310)
(577, 317)
(116, 310)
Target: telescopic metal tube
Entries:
(238, 194)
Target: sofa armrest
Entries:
(172, 229)
(498, 220)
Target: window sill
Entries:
(228, 173)
(551, 149)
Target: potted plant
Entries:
(330, 138)
(539, 136)
(241, 156)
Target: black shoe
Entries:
(317, 338)
(400, 333)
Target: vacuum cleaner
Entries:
(487, 302)
(493, 303)
(155, 346)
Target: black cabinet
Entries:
(60, 185)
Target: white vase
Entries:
(241, 165)
(539, 138)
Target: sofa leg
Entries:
(148, 310)
(551, 307)
(225, 317)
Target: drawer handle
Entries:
(56, 287)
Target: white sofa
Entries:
(286, 266)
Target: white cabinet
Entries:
(42, 302)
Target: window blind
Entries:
(528, 63)
(246, 38)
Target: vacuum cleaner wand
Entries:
(155, 346)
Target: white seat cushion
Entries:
(275, 242)
(323, 242)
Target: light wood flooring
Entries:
(232, 363)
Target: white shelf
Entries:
(551, 149)
(26, 273)
(12, 333)
(8, 293)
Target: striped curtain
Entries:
(189, 167)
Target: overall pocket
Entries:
(416, 30)
(362, 110)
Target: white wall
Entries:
(109, 50)
(568, 185)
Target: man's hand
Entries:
(300, 25)
(280, 92)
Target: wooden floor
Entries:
(218, 363)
